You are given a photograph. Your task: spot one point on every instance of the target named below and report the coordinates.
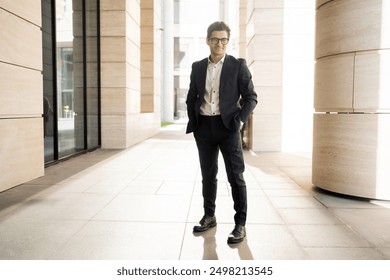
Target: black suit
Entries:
(214, 133)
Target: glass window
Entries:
(183, 52)
(176, 11)
(71, 77)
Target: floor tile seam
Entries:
(375, 250)
(272, 205)
(84, 193)
(15, 209)
(296, 208)
(49, 220)
(332, 214)
(335, 208)
(356, 232)
(70, 237)
(147, 166)
(10, 210)
(135, 178)
(136, 221)
(277, 209)
(313, 224)
(351, 226)
(187, 217)
(249, 224)
(368, 208)
(19, 205)
(329, 225)
(159, 187)
(292, 235)
(105, 205)
(304, 248)
(291, 196)
(338, 247)
(288, 229)
(270, 194)
(154, 194)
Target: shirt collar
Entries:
(221, 61)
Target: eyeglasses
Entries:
(215, 41)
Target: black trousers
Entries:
(211, 137)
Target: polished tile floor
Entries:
(141, 203)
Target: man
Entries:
(215, 117)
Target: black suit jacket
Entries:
(236, 83)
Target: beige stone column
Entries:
(265, 59)
(168, 91)
(242, 28)
(280, 53)
(21, 93)
(351, 148)
(129, 114)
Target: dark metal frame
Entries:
(55, 98)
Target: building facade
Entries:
(75, 76)
(81, 75)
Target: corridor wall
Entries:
(21, 124)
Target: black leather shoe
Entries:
(237, 235)
(206, 223)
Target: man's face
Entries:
(217, 49)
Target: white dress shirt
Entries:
(210, 104)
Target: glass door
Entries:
(71, 77)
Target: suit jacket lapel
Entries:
(202, 76)
(224, 75)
